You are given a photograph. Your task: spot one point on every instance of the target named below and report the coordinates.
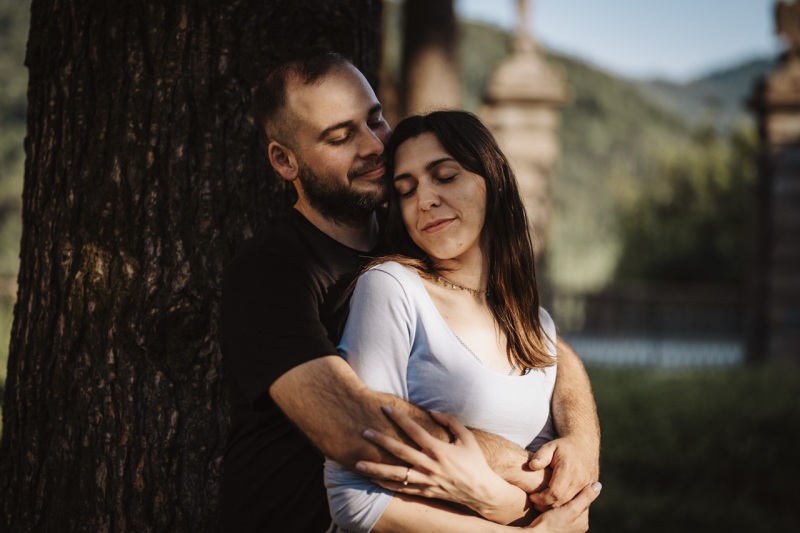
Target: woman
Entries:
(451, 323)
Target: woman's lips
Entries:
(437, 225)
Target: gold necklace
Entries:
(454, 285)
(464, 344)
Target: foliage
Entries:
(13, 104)
(693, 224)
(609, 133)
(698, 451)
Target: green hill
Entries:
(719, 97)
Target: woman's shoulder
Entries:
(388, 277)
(402, 273)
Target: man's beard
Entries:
(338, 201)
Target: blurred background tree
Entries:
(14, 21)
(693, 222)
(13, 104)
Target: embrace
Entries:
(437, 388)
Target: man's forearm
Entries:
(332, 407)
(574, 409)
(510, 461)
(501, 454)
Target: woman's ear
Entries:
(283, 161)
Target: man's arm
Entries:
(575, 456)
(330, 404)
(331, 400)
(341, 407)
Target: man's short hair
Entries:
(308, 65)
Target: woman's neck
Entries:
(470, 272)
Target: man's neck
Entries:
(362, 237)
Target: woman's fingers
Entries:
(416, 432)
(397, 478)
(382, 471)
(412, 490)
(456, 428)
(399, 449)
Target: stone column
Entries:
(521, 104)
(431, 74)
(776, 103)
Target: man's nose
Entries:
(371, 143)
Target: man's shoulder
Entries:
(291, 247)
(271, 256)
(281, 235)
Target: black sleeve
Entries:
(270, 321)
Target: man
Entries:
(284, 299)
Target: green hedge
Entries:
(711, 450)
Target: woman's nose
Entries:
(427, 197)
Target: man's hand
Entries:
(573, 467)
(574, 458)
(572, 516)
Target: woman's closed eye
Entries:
(406, 192)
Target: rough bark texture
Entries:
(143, 176)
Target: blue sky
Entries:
(675, 39)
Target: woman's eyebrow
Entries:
(430, 166)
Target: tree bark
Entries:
(143, 176)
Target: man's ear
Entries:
(283, 161)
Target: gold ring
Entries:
(405, 481)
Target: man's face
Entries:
(339, 134)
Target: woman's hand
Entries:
(455, 471)
(572, 517)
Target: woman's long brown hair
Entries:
(513, 296)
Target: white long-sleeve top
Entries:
(398, 343)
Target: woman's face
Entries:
(443, 205)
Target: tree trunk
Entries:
(143, 176)
(431, 75)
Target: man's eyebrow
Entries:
(377, 108)
(430, 166)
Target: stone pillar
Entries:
(776, 103)
(431, 74)
(521, 104)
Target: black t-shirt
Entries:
(282, 303)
